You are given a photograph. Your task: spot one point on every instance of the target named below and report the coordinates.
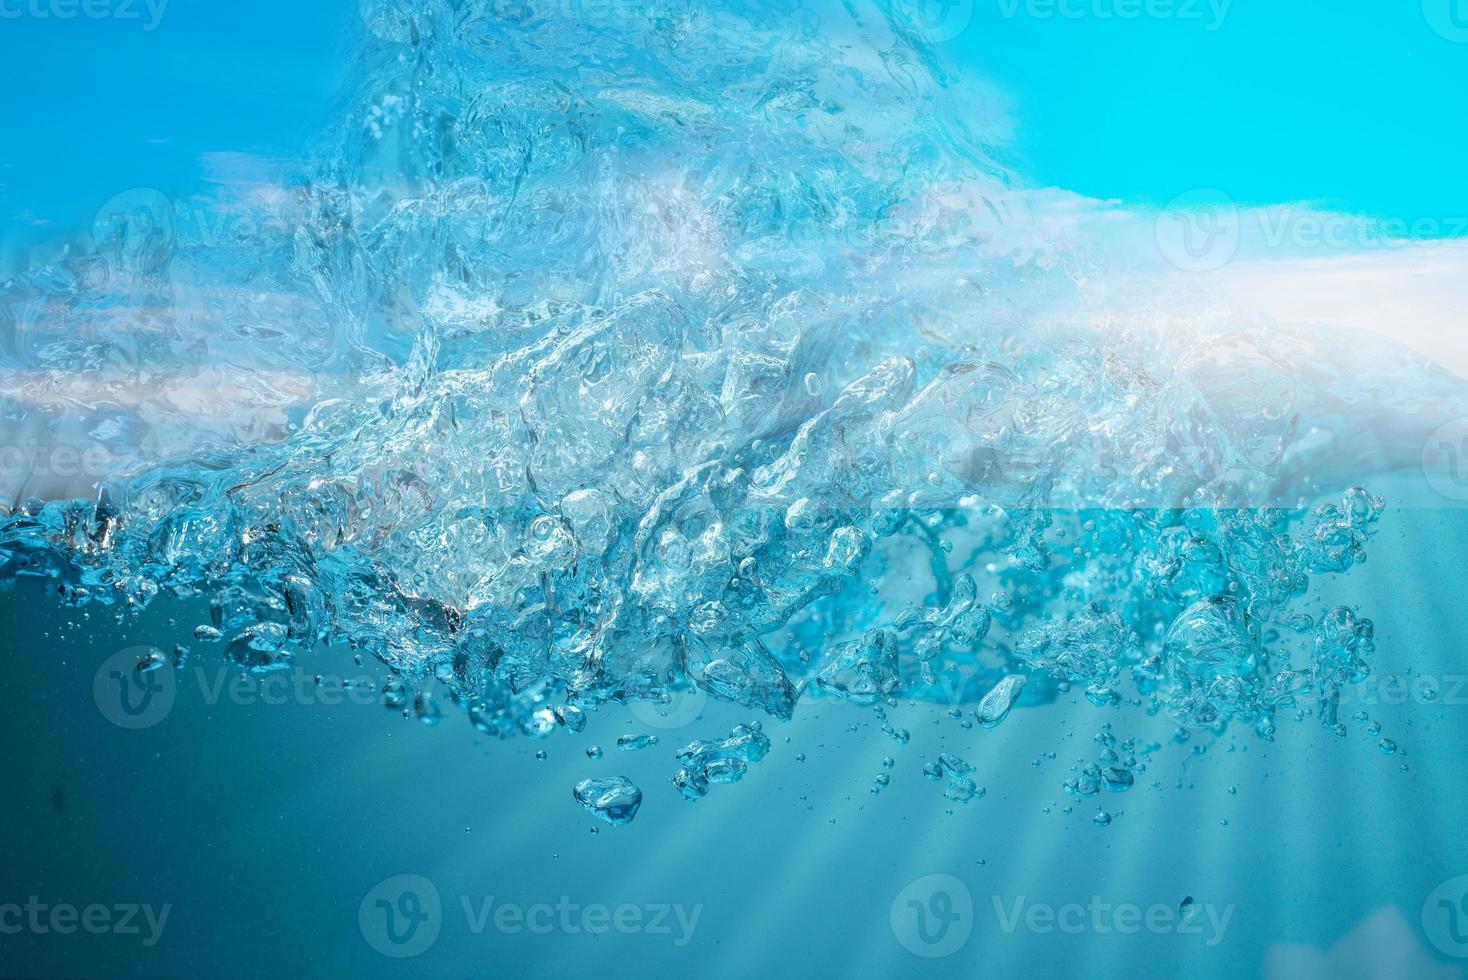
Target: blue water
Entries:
(653, 489)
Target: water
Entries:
(611, 799)
(698, 380)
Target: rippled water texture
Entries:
(689, 346)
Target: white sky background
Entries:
(1292, 264)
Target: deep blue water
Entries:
(264, 827)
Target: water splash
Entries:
(710, 348)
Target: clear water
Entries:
(613, 409)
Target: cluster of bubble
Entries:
(711, 761)
(701, 352)
(1117, 766)
(961, 786)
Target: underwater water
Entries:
(657, 488)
